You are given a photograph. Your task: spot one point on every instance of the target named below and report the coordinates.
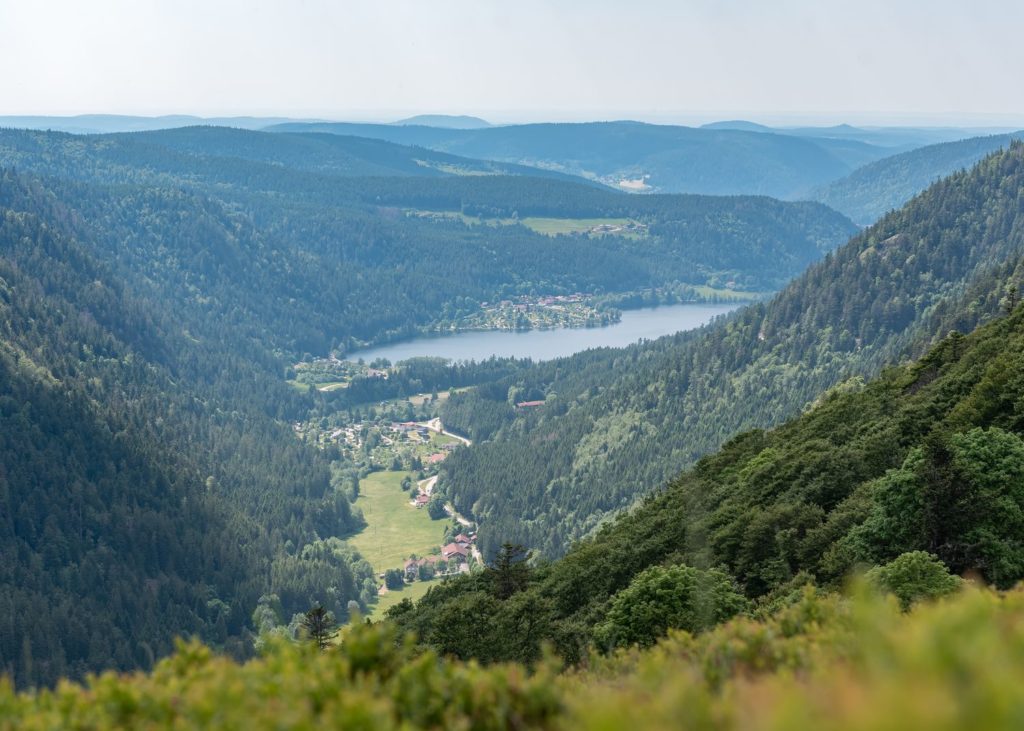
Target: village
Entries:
(540, 312)
(388, 457)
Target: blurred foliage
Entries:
(821, 662)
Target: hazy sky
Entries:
(509, 60)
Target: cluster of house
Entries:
(348, 434)
(459, 550)
(544, 301)
(618, 228)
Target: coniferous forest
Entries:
(314, 421)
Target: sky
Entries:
(888, 61)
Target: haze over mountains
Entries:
(839, 165)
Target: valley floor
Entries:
(394, 529)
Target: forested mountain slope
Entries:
(867, 193)
(927, 457)
(618, 423)
(150, 488)
(664, 158)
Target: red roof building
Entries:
(455, 551)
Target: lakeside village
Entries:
(530, 313)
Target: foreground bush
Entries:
(372, 682)
(822, 663)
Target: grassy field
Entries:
(439, 440)
(411, 591)
(553, 226)
(547, 226)
(442, 396)
(729, 294)
(394, 528)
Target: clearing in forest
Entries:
(394, 529)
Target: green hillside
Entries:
(927, 457)
(151, 488)
(618, 423)
(866, 194)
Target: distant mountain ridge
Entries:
(444, 121)
(642, 157)
(870, 191)
(895, 139)
(110, 123)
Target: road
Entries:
(435, 425)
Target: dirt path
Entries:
(427, 486)
(450, 509)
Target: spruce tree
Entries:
(319, 626)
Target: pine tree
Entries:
(509, 573)
(319, 626)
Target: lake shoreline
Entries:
(646, 323)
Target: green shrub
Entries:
(914, 576)
(677, 597)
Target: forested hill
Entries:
(616, 424)
(307, 261)
(928, 457)
(867, 193)
(150, 488)
(334, 154)
(664, 158)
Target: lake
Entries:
(647, 323)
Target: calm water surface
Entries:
(648, 323)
